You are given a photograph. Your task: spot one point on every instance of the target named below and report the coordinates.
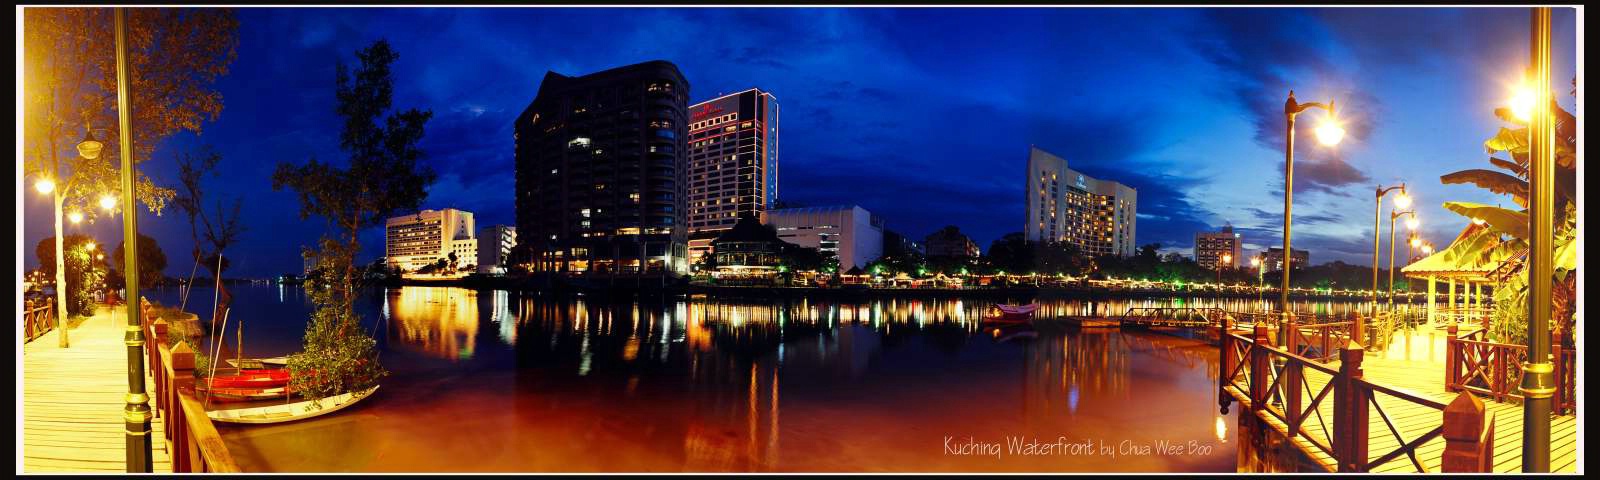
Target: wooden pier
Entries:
(72, 401)
(1403, 404)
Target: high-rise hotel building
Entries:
(1063, 205)
(416, 240)
(601, 172)
(733, 163)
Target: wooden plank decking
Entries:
(72, 401)
(1424, 379)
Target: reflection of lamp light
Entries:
(1222, 430)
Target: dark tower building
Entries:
(601, 170)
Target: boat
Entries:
(289, 412)
(251, 378)
(1002, 313)
(246, 394)
(259, 363)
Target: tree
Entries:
(1500, 235)
(80, 276)
(152, 261)
(382, 177)
(174, 56)
(219, 229)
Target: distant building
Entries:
(896, 244)
(601, 173)
(733, 163)
(852, 233)
(416, 240)
(494, 248)
(1063, 205)
(950, 242)
(1211, 247)
(1274, 259)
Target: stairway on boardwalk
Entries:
(73, 398)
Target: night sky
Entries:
(923, 115)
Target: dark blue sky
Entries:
(922, 115)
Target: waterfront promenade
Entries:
(1417, 372)
(72, 401)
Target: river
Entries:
(498, 381)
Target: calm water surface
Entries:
(503, 382)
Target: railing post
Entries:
(1260, 366)
(1350, 411)
(1468, 444)
(158, 337)
(1561, 380)
(1358, 329)
(179, 372)
(1453, 353)
(1291, 383)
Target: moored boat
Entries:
(246, 394)
(251, 378)
(1002, 313)
(289, 412)
(259, 363)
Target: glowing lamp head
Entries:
(1478, 221)
(1522, 103)
(75, 217)
(1412, 223)
(90, 147)
(89, 246)
(45, 185)
(1329, 132)
(1403, 200)
(1255, 261)
(1427, 249)
(1416, 242)
(108, 202)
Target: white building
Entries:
(414, 241)
(494, 248)
(1064, 205)
(852, 233)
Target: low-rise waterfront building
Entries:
(1274, 259)
(414, 241)
(852, 233)
(950, 242)
(1210, 248)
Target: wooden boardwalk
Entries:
(72, 401)
(1425, 379)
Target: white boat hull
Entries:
(290, 411)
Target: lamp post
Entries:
(1411, 223)
(136, 413)
(1260, 274)
(1328, 133)
(89, 148)
(1226, 260)
(1538, 383)
(1400, 201)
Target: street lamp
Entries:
(1410, 222)
(1260, 274)
(75, 216)
(1226, 259)
(1401, 201)
(1539, 382)
(108, 202)
(89, 147)
(44, 185)
(1329, 133)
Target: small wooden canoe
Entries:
(251, 378)
(259, 363)
(246, 394)
(1001, 313)
(289, 412)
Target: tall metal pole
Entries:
(136, 415)
(1377, 211)
(1392, 216)
(1538, 383)
(1290, 108)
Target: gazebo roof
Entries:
(1453, 262)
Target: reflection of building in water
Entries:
(1060, 370)
(438, 321)
(500, 314)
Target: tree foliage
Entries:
(152, 261)
(382, 176)
(82, 276)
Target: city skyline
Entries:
(889, 112)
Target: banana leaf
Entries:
(1493, 181)
(1497, 219)
(1507, 140)
(1515, 168)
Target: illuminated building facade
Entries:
(733, 163)
(1063, 205)
(1210, 247)
(416, 240)
(1274, 259)
(601, 173)
(852, 233)
(494, 248)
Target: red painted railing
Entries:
(1494, 369)
(191, 438)
(38, 319)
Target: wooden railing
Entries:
(191, 438)
(38, 320)
(1494, 369)
(1300, 393)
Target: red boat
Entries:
(251, 378)
(246, 394)
(1010, 314)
